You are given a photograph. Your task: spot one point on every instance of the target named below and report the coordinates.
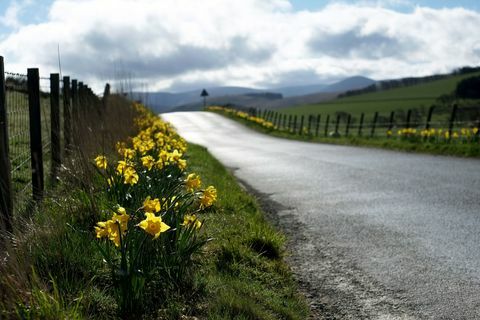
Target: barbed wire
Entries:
(15, 74)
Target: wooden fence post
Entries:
(33, 81)
(55, 123)
(300, 129)
(337, 124)
(409, 116)
(360, 125)
(6, 191)
(309, 127)
(347, 129)
(429, 117)
(74, 95)
(319, 117)
(392, 118)
(284, 121)
(67, 116)
(326, 125)
(374, 124)
(452, 120)
(295, 125)
(289, 123)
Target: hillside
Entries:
(420, 96)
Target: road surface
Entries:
(375, 234)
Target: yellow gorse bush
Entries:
(150, 182)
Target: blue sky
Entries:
(400, 5)
(185, 44)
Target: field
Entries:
(420, 97)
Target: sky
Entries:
(178, 45)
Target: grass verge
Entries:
(454, 148)
(244, 274)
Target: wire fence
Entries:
(39, 119)
(19, 134)
(456, 122)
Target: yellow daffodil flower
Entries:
(191, 220)
(148, 162)
(101, 162)
(151, 205)
(193, 182)
(130, 176)
(208, 197)
(153, 225)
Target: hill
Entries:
(420, 97)
(279, 97)
(245, 96)
(166, 101)
(352, 83)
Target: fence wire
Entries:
(19, 134)
(46, 123)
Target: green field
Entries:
(420, 97)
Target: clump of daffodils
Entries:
(157, 222)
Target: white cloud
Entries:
(10, 18)
(242, 42)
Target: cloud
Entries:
(174, 44)
(10, 18)
(355, 45)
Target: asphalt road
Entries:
(375, 234)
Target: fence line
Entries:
(38, 121)
(345, 125)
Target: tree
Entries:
(468, 88)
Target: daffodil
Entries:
(174, 156)
(193, 182)
(101, 229)
(122, 218)
(182, 164)
(130, 176)
(151, 205)
(148, 162)
(208, 197)
(153, 225)
(121, 166)
(101, 162)
(128, 153)
(191, 220)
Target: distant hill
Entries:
(417, 97)
(244, 96)
(166, 101)
(299, 90)
(352, 83)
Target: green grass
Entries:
(420, 96)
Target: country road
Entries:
(374, 234)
